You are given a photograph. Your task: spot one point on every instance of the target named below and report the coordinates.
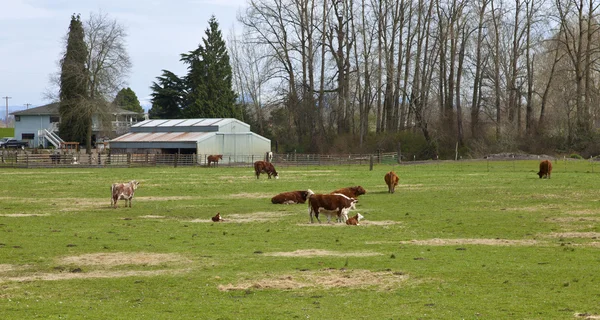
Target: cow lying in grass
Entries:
(217, 218)
(291, 197)
(354, 221)
(123, 191)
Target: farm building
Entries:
(230, 137)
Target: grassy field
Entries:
(458, 240)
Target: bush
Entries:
(575, 156)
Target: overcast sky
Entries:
(32, 32)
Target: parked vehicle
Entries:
(13, 143)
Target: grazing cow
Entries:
(354, 221)
(214, 158)
(391, 179)
(351, 192)
(217, 218)
(265, 167)
(123, 191)
(339, 204)
(545, 169)
(291, 197)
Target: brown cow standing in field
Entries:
(214, 158)
(391, 179)
(265, 167)
(291, 197)
(351, 192)
(339, 204)
(545, 169)
(123, 191)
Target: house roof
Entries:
(178, 123)
(52, 109)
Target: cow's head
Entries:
(358, 216)
(309, 193)
(134, 184)
(275, 174)
(359, 190)
(220, 156)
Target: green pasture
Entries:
(458, 240)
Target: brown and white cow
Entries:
(337, 204)
(123, 191)
(354, 221)
(217, 218)
(214, 158)
(545, 169)
(265, 167)
(351, 192)
(291, 197)
(391, 179)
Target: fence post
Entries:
(128, 159)
(371, 163)
(592, 161)
(175, 160)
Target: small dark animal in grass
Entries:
(214, 159)
(291, 197)
(265, 167)
(123, 191)
(545, 169)
(351, 192)
(391, 179)
(217, 218)
(354, 221)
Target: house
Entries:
(39, 125)
(227, 136)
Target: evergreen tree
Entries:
(209, 78)
(128, 100)
(167, 97)
(74, 78)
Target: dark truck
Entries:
(13, 143)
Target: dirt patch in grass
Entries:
(250, 195)
(583, 235)
(487, 242)
(153, 198)
(90, 275)
(19, 215)
(152, 217)
(248, 217)
(7, 267)
(122, 258)
(362, 223)
(321, 253)
(587, 316)
(330, 278)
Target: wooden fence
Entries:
(24, 159)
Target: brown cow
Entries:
(217, 218)
(123, 191)
(545, 169)
(265, 167)
(391, 179)
(291, 197)
(338, 203)
(354, 221)
(351, 192)
(214, 158)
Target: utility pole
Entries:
(6, 120)
(27, 105)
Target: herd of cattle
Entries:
(338, 202)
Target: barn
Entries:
(230, 137)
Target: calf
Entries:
(123, 191)
(217, 218)
(354, 221)
(291, 197)
(265, 167)
(351, 192)
(545, 169)
(337, 203)
(391, 179)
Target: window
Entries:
(27, 136)
(54, 119)
(17, 118)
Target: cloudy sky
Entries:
(32, 32)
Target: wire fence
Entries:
(25, 159)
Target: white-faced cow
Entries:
(265, 167)
(291, 197)
(354, 221)
(217, 218)
(391, 179)
(351, 192)
(123, 191)
(328, 204)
